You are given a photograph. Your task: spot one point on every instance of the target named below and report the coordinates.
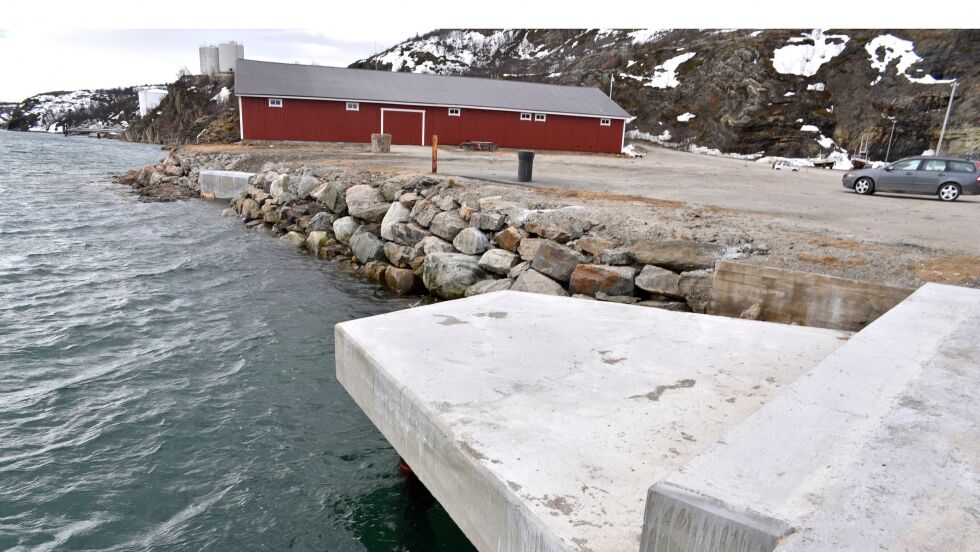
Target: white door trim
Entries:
(422, 111)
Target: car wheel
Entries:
(864, 186)
(949, 192)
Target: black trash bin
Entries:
(525, 161)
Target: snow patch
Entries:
(819, 87)
(788, 94)
(222, 97)
(885, 49)
(802, 58)
(646, 35)
(686, 117)
(809, 128)
(665, 74)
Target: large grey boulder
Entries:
(367, 247)
(333, 197)
(556, 261)
(400, 255)
(696, 287)
(498, 261)
(471, 241)
(279, 186)
(447, 225)
(294, 238)
(320, 221)
(528, 248)
(678, 255)
(344, 228)
(305, 185)
(365, 202)
(618, 257)
(533, 281)
(491, 222)
(408, 233)
(315, 241)
(434, 244)
(594, 279)
(488, 286)
(397, 213)
(424, 211)
(659, 281)
(448, 275)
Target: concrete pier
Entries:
(876, 448)
(224, 184)
(540, 422)
(556, 424)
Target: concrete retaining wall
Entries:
(223, 184)
(805, 298)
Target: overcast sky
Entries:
(35, 62)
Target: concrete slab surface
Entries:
(224, 184)
(877, 448)
(540, 422)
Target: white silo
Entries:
(209, 59)
(228, 53)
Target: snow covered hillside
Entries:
(52, 111)
(744, 92)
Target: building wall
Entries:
(329, 121)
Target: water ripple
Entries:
(166, 378)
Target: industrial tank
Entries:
(228, 53)
(209, 60)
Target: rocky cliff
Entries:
(198, 109)
(792, 93)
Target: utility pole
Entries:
(942, 133)
(889, 150)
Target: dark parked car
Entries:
(946, 177)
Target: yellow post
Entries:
(435, 153)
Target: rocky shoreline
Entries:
(427, 234)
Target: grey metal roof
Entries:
(263, 78)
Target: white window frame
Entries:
(353, 106)
(605, 122)
(540, 117)
(275, 102)
(454, 111)
(525, 116)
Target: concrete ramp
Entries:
(223, 184)
(540, 422)
(874, 449)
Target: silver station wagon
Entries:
(945, 177)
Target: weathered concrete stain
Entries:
(498, 315)
(450, 320)
(660, 389)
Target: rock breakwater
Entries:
(416, 233)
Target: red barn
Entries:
(282, 101)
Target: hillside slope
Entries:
(198, 109)
(53, 111)
(793, 93)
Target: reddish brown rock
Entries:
(399, 280)
(610, 280)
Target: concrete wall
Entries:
(873, 449)
(805, 298)
(224, 184)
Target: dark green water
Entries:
(167, 378)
